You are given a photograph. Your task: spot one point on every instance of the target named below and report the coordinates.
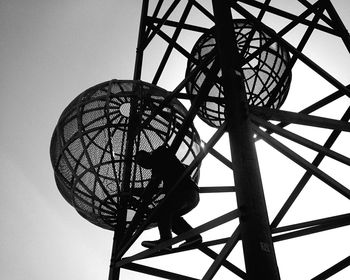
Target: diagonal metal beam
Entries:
(280, 34)
(220, 157)
(315, 106)
(340, 219)
(293, 60)
(333, 269)
(240, 273)
(306, 177)
(311, 64)
(175, 93)
(156, 272)
(303, 163)
(261, 14)
(343, 32)
(320, 103)
(156, 29)
(299, 118)
(300, 140)
(288, 15)
(173, 43)
(202, 228)
(154, 15)
(325, 225)
(231, 243)
(171, 46)
(312, 8)
(185, 26)
(196, 103)
(204, 248)
(208, 14)
(217, 189)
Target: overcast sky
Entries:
(50, 51)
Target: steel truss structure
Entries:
(164, 26)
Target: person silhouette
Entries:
(167, 168)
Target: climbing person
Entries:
(168, 169)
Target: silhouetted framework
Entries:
(232, 64)
(204, 84)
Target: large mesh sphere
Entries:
(266, 77)
(93, 159)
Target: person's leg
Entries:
(169, 217)
(164, 227)
(180, 225)
(163, 219)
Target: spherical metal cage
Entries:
(89, 148)
(266, 76)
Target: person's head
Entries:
(144, 159)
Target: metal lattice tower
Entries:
(231, 63)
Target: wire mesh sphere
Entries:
(93, 156)
(266, 77)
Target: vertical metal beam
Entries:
(119, 232)
(140, 41)
(114, 271)
(258, 248)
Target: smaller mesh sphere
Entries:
(266, 78)
(91, 154)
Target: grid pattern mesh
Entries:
(266, 76)
(89, 148)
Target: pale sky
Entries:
(50, 51)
